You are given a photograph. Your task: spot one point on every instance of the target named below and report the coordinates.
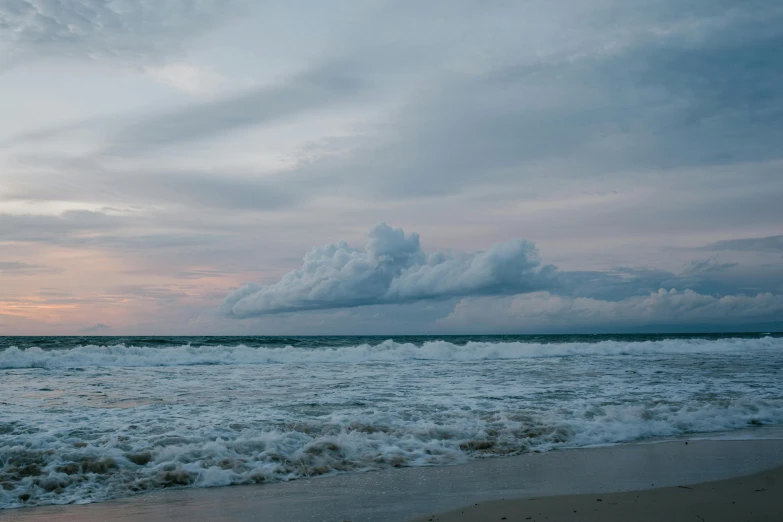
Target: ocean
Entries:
(86, 419)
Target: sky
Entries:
(176, 167)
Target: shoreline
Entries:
(404, 494)
(757, 497)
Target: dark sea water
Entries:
(64, 342)
(85, 419)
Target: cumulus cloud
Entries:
(546, 311)
(392, 269)
(506, 288)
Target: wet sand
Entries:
(399, 495)
(754, 498)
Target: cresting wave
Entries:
(121, 355)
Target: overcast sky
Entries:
(367, 166)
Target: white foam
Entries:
(387, 351)
(204, 458)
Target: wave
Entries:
(121, 355)
(74, 468)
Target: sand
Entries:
(556, 479)
(754, 498)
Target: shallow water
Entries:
(87, 419)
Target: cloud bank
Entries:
(100, 327)
(545, 311)
(392, 269)
(757, 244)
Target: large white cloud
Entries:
(546, 312)
(392, 269)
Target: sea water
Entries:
(93, 418)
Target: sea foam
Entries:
(387, 351)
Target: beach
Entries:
(672, 480)
(755, 497)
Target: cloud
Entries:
(160, 293)
(17, 268)
(658, 100)
(648, 91)
(749, 244)
(704, 276)
(544, 311)
(704, 267)
(197, 81)
(392, 269)
(100, 327)
(93, 180)
(205, 273)
(129, 31)
(48, 228)
(572, 123)
(329, 84)
(326, 85)
(124, 233)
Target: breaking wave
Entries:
(120, 355)
(71, 468)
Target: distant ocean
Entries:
(85, 419)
